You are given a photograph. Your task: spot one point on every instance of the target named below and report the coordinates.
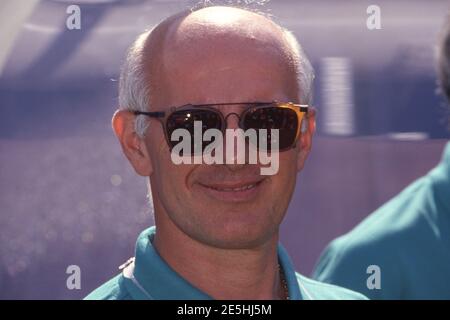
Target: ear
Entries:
(133, 146)
(304, 143)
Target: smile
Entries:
(236, 192)
(247, 187)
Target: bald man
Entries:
(216, 225)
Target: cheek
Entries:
(170, 179)
(283, 183)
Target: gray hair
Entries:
(134, 92)
(443, 53)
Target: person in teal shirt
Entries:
(402, 250)
(216, 224)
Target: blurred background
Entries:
(69, 197)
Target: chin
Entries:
(236, 235)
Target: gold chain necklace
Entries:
(284, 283)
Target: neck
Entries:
(221, 273)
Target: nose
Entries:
(237, 158)
(232, 120)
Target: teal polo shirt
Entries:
(408, 238)
(148, 276)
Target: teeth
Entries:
(247, 187)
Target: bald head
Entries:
(217, 54)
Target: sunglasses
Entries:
(284, 116)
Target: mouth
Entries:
(233, 192)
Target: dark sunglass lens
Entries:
(185, 119)
(283, 119)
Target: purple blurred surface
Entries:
(68, 195)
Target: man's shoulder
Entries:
(409, 215)
(382, 240)
(398, 219)
(315, 290)
(347, 260)
(113, 289)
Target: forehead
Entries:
(211, 58)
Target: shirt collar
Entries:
(153, 278)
